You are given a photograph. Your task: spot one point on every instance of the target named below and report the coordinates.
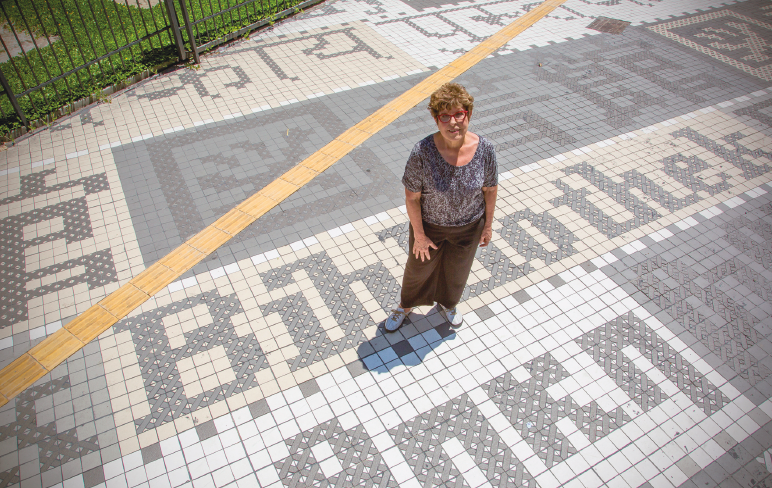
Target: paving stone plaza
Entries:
(617, 329)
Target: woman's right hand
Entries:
(421, 247)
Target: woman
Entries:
(450, 182)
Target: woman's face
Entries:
(454, 129)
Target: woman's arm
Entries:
(489, 193)
(422, 243)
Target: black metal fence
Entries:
(59, 54)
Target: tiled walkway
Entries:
(617, 330)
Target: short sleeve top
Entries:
(451, 196)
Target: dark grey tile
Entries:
(402, 348)
(93, 477)
(484, 313)
(356, 368)
(206, 430)
(153, 451)
(309, 387)
(521, 296)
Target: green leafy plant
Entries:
(99, 96)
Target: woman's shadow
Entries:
(420, 334)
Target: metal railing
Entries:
(61, 54)
(212, 24)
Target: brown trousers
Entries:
(442, 278)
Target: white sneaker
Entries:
(394, 321)
(453, 316)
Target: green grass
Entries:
(88, 29)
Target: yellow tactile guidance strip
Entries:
(41, 359)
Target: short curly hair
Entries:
(448, 96)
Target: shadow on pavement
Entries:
(407, 352)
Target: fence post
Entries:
(189, 28)
(176, 29)
(13, 100)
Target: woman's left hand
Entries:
(487, 235)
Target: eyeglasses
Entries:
(459, 116)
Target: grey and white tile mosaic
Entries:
(617, 329)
